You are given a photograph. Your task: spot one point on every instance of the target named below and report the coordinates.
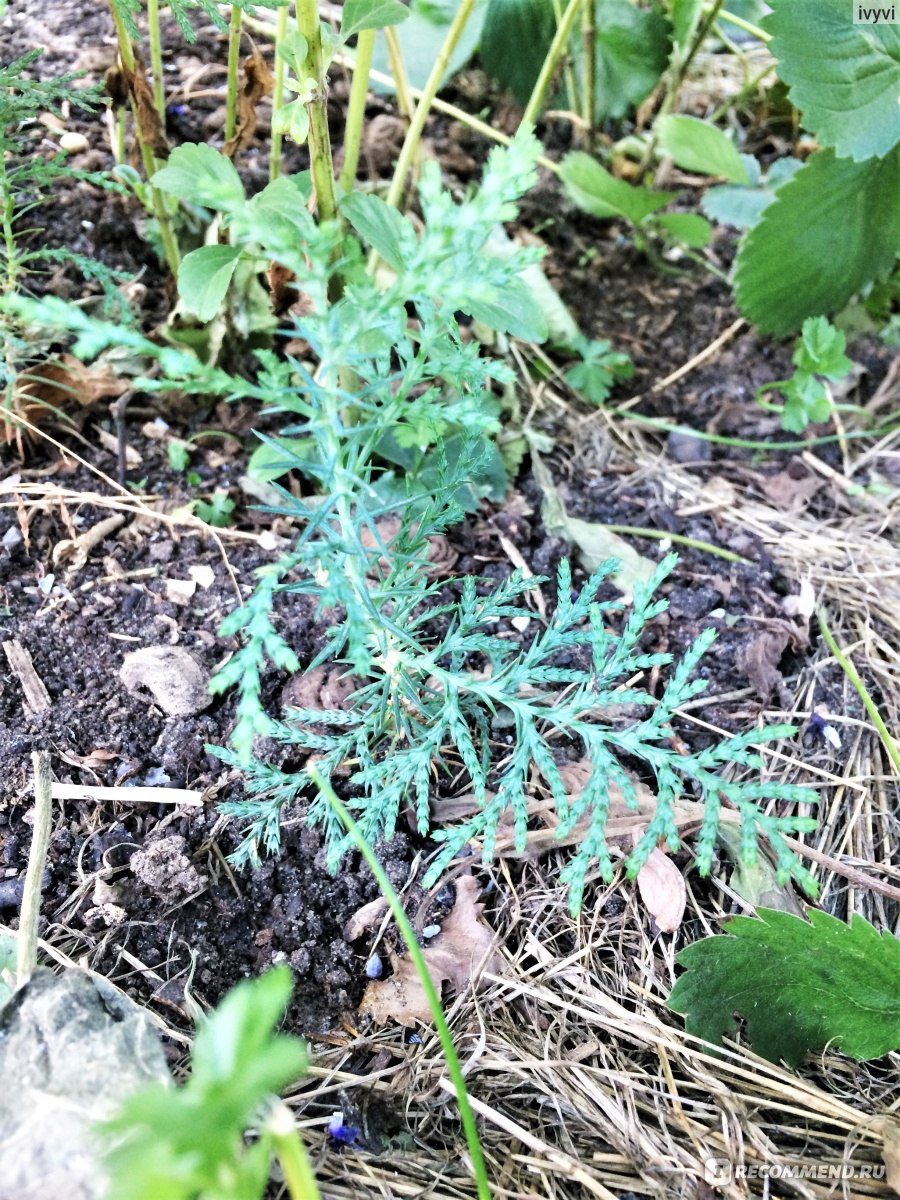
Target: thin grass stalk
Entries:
(404, 92)
(157, 203)
(589, 53)
(893, 750)
(321, 163)
(570, 83)
(747, 26)
(281, 20)
(156, 63)
(234, 62)
(417, 126)
(356, 108)
(557, 47)
(418, 959)
(27, 940)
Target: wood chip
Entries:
(37, 699)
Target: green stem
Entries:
(9, 238)
(356, 108)
(26, 947)
(759, 34)
(399, 76)
(589, 51)
(414, 133)
(431, 994)
(662, 536)
(292, 1155)
(570, 84)
(771, 447)
(321, 163)
(234, 62)
(156, 63)
(679, 73)
(557, 46)
(893, 750)
(278, 92)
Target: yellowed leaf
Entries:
(662, 889)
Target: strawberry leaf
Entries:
(799, 985)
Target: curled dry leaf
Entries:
(258, 81)
(759, 657)
(462, 948)
(441, 555)
(45, 388)
(74, 551)
(365, 918)
(662, 889)
(149, 122)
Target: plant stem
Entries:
(156, 63)
(718, 440)
(399, 76)
(26, 948)
(662, 536)
(893, 750)
(356, 108)
(278, 92)
(158, 204)
(589, 52)
(759, 34)
(570, 84)
(414, 133)
(431, 994)
(234, 62)
(292, 1155)
(9, 238)
(319, 139)
(557, 46)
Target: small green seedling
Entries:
(190, 1143)
(600, 369)
(819, 356)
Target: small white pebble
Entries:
(73, 142)
(431, 931)
(374, 967)
(520, 623)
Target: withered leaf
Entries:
(453, 956)
(257, 82)
(662, 890)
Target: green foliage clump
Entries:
(436, 666)
(188, 1143)
(801, 986)
(819, 356)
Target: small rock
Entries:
(168, 676)
(74, 143)
(164, 868)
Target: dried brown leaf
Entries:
(257, 81)
(662, 889)
(453, 956)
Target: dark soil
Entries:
(142, 893)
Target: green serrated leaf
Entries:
(806, 402)
(800, 986)
(742, 207)
(844, 78)
(690, 229)
(202, 175)
(633, 48)
(204, 276)
(833, 228)
(821, 350)
(370, 14)
(597, 192)
(380, 226)
(514, 43)
(696, 145)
